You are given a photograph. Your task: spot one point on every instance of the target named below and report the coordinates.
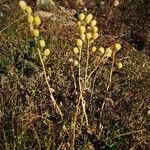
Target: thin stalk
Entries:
(74, 122)
(144, 139)
(87, 65)
(12, 23)
(83, 89)
(48, 85)
(111, 71)
(37, 138)
(74, 79)
(95, 68)
(129, 133)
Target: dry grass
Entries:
(118, 118)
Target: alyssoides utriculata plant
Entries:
(43, 52)
(83, 51)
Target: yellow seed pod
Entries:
(82, 37)
(95, 29)
(88, 36)
(79, 43)
(88, 18)
(79, 23)
(119, 65)
(95, 35)
(93, 49)
(75, 63)
(81, 16)
(108, 52)
(37, 20)
(35, 32)
(75, 50)
(93, 23)
(46, 52)
(30, 19)
(28, 10)
(23, 5)
(42, 43)
(82, 29)
(102, 50)
(118, 46)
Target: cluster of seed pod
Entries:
(87, 28)
(34, 22)
(88, 32)
(108, 52)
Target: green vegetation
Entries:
(75, 86)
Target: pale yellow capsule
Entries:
(108, 52)
(82, 29)
(82, 37)
(35, 32)
(88, 18)
(46, 52)
(28, 10)
(102, 50)
(81, 16)
(30, 19)
(95, 35)
(88, 36)
(93, 23)
(119, 65)
(79, 43)
(118, 46)
(93, 49)
(75, 50)
(42, 43)
(23, 5)
(37, 20)
(95, 29)
(79, 23)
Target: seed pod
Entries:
(75, 50)
(23, 5)
(108, 52)
(95, 29)
(88, 36)
(119, 65)
(30, 19)
(46, 52)
(35, 32)
(82, 37)
(82, 29)
(93, 49)
(28, 10)
(102, 50)
(42, 43)
(37, 20)
(88, 18)
(118, 46)
(95, 36)
(93, 23)
(81, 16)
(79, 23)
(79, 43)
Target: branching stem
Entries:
(48, 85)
